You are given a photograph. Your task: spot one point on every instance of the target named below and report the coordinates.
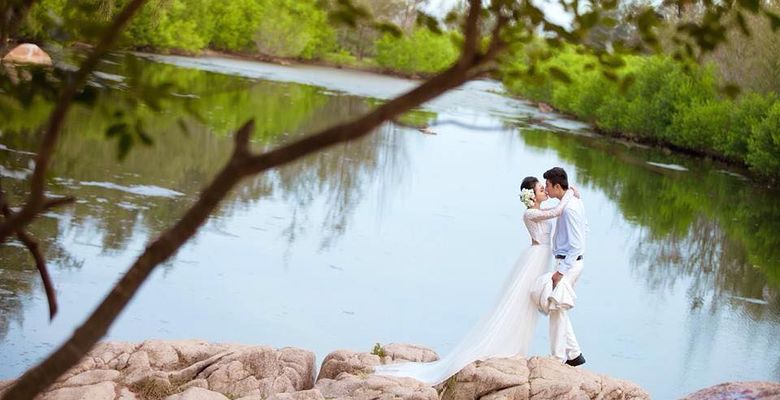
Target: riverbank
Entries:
(657, 101)
(360, 66)
(731, 148)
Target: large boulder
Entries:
(356, 363)
(551, 379)
(738, 390)
(371, 387)
(184, 370)
(537, 378)
(346, 375)
(27, 53)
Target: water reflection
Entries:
(697, 227)
(337, 249)
(122, 204)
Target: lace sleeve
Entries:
(548, 213)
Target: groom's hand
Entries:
(556, 278)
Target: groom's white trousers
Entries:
(563, 343)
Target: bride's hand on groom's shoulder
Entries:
(575, 191)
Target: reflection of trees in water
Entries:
(19, 277)
(112, 219)
(714, 266)
(700, 225)
(341, 174)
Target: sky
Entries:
(552, 10)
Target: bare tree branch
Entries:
(35, 201)
(471, 33)
(34, 248)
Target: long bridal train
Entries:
(505, 331)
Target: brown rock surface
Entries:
(184, 370)
(756, 390)
(355, 363)
(27, 53)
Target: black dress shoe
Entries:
(576, 361)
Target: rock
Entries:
(545, 108)
(312, 394)
(369, 387)
(357, 363)
(756, 390)
(98, 391)
(347, 361)
(262, 371)
(397, 352)
(508, 376)
(187, 369)
(196, 393)
(92, 377)
(27, 53)
(550, 379)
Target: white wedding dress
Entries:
(507, 329)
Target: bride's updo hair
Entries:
(529, 182)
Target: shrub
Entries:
(747, 112)
(696, 125)
(294, 28)
(421, 51)
(764, 144)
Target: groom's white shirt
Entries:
(569, 239)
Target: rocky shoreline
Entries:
(198, 370)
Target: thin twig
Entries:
(40, 263)
(34, 248)
(35, 200)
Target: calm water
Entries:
(399, 237)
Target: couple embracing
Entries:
(507, 329)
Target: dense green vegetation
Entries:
(667, 103)
(298, 29)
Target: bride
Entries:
(508, 328)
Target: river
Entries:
(398, 237)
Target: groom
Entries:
(568, 248)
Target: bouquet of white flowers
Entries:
(528, 197)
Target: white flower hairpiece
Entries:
(528, 197)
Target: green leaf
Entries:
(117, 129)
(428, 21)
(145, 138)
(451, 17)
(125, 144)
